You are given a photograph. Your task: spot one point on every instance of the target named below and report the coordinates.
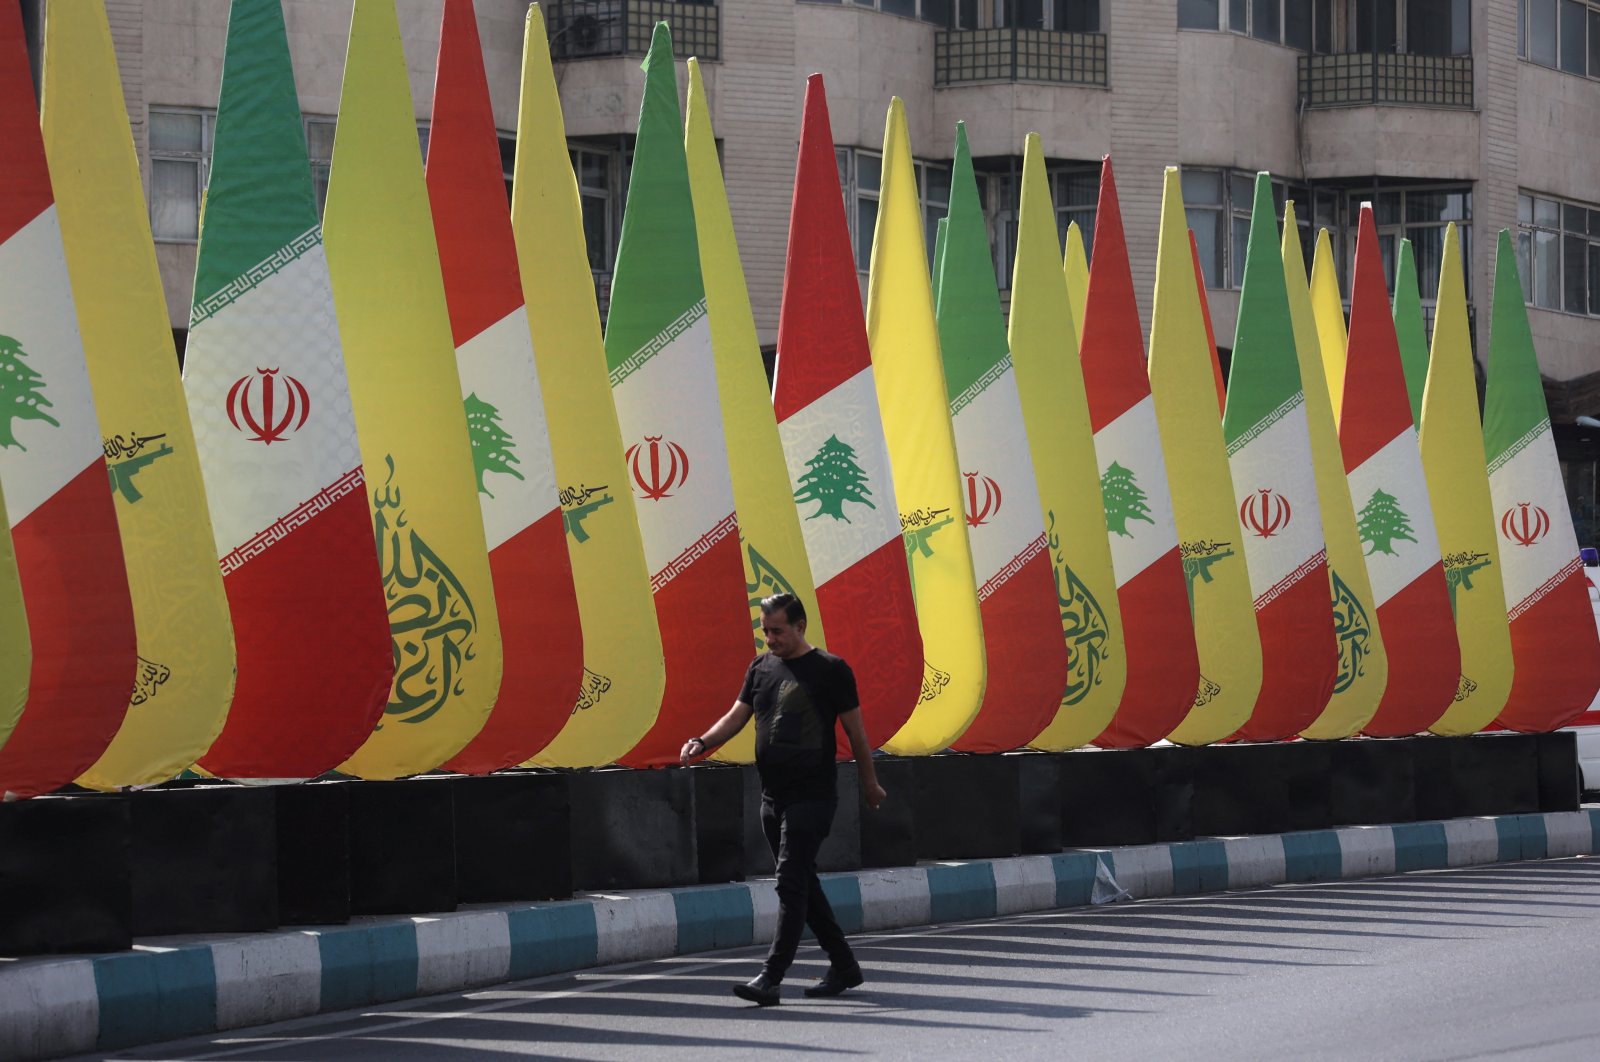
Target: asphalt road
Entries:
(1494, 962)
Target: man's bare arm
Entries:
(871, 791)
(719, 734)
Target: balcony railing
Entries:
(1363, 78)
(588, 29)
(962, 56)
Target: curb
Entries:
(180, 987)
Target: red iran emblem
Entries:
(283, 406)
(1265, 513)
(658, 468)
(983, 498)
(1525, 523)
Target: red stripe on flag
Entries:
(24, 176)
(1163, 661)
(1375, 405)
(1557, 655)
(1419, 635)
(1299, 659)
(1112, 346)
(872, 623)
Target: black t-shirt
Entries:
(796, 703)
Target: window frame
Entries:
(1561, 236)
(199, 159)
(1588, 50)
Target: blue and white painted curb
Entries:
(165, 990)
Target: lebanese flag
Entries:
(534, 594)
(827, 409)
(63, 522)
(1393, 513)
(1163, 661)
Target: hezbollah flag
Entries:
(1163, 661)
(389, 294)
(1552, 627)
(912, 397)
(826, 405)
(1055, 411)
(1411, 332)
(1075, 266)
(1275, 490)
(623, 674)
(63, 524)
(1393, 514)
(16, 649)
(664, 383)
(770, 540)
(1452, 456)
(265, 380)
(1363, 669)
(1215, 566)
(522, 523)
(1026, 655)
(1328, 309)
(185, 676)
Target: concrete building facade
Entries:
(1483, 112)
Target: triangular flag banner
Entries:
(403, 384)
(1393, 514)
(1552, 627)
(1205, 313)
(664, 383)
(1215, 565)
(1452, 457)
(185, 677)
(1363, 669)
(1075, 265)
(1328, 308)
(517, 491)
(63, 523)
(1410, 330)
(833, 445)
(623, 671)
(1026, 655)
(771, 542)
(16, 648)
(1055, 411)
(1275, 490)
(265, 379)
(1163, 662)
(927, 478)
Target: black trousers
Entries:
(795, 831)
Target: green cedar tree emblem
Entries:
(1353, 630)
(833, 478)
(491, 443)
(1382, 521)
(1083, 622)
(1459, 568)
(1123, 499)
(431, 617)
(21, 392)
(761, 580)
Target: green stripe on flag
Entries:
(1514, 407)
(1264, 376)
(1410, 329)
(972, 328)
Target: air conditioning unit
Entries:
(587, 29)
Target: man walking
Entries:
(796, 693)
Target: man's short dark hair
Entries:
(793, 610)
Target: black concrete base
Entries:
(719, 826)
(203, 859)
(402, 847)
(842, 850)
(1109, 798)
(1486, 774)
(313, 826)
(1252, 789)
(1559, 780)
(889, 834)
(64, 877)
(513, 837)
(1371, 781)
(633, 829)
(967, 807)
(1039, 802)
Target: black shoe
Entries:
(760, 991)
(835, 981)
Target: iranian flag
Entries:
(1553, 643)
(1275, 490)
(1393, 514)
(1163, 661)
(516, 478)
(833, 443)
(664, 384)
(264, 376)
(1027, 656)
(63, 525)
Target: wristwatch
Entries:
(699, 742)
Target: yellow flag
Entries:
(774, 551)
(400, 356)
(16, 650)
(184, 679)
(1363, 663)
(912, 397)
(1463, 512)
(624, 670)
(1328, 308)
(1055, 410)
(1076, 266)
(1209, 536)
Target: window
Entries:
(601, 191)
(319, 149)
(1438, 27)
(1419, 215)
(1067, 16)
(1558, 253)
(180, 164)
(1303, 24)
(1218, 204)
(860, 178)
(1560, 34)
(936, 11)
(1076, 191)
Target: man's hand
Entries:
(874, 795)
(692, 750)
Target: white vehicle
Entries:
(1587, 725)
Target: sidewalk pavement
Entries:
(168, 988)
